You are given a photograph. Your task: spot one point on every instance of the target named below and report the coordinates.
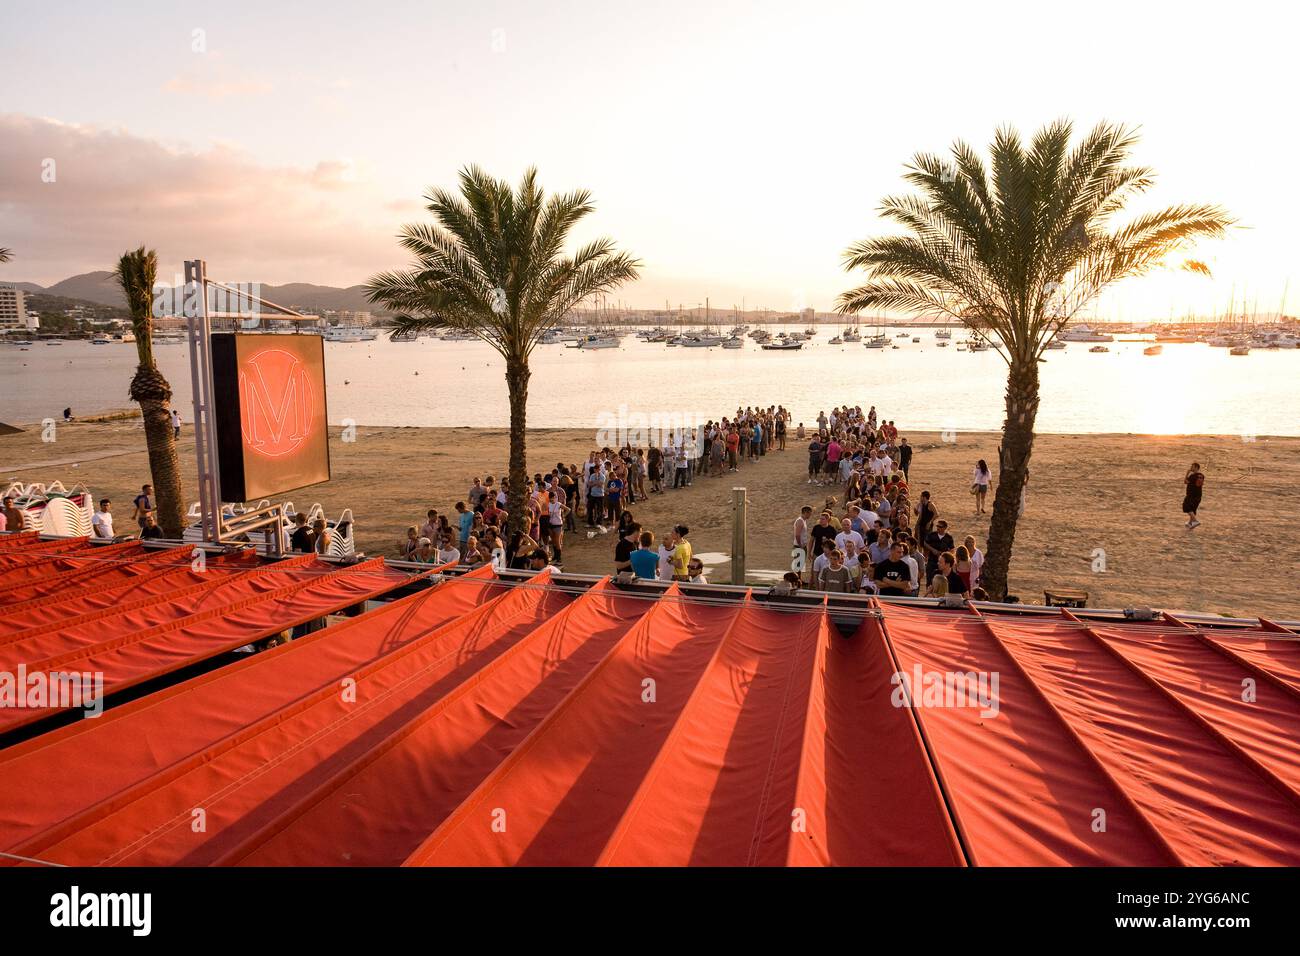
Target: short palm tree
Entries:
(494, 265)
(136, 272)
(1014, 254)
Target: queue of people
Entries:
(879, 540)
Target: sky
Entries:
(736, 148)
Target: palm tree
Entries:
(1014, 255)
(494, 266)
(136, 272)
(6, 254)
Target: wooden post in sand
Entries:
(739, 506)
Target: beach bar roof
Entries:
(496, 720)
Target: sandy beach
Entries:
(1095, 501)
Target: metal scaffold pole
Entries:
(199, 325)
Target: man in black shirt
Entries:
(149, 527)
(822, 531)
(626, 545)
(948, 568)
(936, 543)
(893, 576)
(300, 540)
(904, 456)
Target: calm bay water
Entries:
(1189, 389)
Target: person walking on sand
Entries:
(176, 424)
(980, 485)
(1194, 483)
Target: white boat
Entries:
(169, 339)
(943, 334)
(127, 338)
(343, 333)
(701, 341)
(1239, 350)
(942, 344)
(876, 342)
(835, 341)
(735, 342)
(1153, 350)
(54, 341)
(977, 347)
(1099, 348)
(1084, 333)
(1274, 340)
(851, 335)
(782, 345)
(596, 342)
(100, 340)
(1056, 344)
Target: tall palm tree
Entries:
(494, 265)
(136, 272)
(1014, 254)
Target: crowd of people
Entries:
(600, 493)
(875, 536)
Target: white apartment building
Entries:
(13, 309)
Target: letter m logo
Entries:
(276, 402)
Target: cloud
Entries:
(216, 89)
(214, 77)
(113, 190)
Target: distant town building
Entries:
(808, 315)
(13, 309)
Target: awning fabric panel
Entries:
(481, 721)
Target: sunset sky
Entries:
(737, 148)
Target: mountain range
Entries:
(99, 287)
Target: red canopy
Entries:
(492, 722)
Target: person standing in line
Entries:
(925, 515)
(835, 577)
(1193, 483)
(802, 539)
(904, 456)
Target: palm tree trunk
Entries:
(1013, 472)
(164, 467)
(153, 393)
(517, 375)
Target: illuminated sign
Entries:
(269, 397)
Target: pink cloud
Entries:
(113, 190)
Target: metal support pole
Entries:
(205, 426)
(739, 517)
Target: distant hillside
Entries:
(92, 286)
(100, 288)
(316, 298)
